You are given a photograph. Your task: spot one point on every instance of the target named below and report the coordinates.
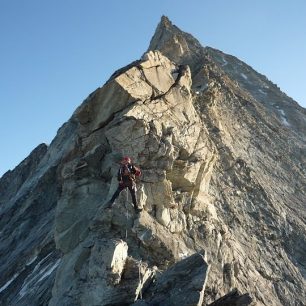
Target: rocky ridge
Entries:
(222, 152)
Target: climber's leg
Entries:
(132, 190)
(115, 196)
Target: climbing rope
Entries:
(140, 279)
(127, 213)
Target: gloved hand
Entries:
(120, 182)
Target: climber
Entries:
(126, 176)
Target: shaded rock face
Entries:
(234, 298)
(222, 152)
(28, 199)
(182, 284)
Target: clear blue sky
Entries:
(55, 52)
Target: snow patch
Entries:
(225, 62)
(261, 91)
(38, 274)
(244, 76)
(49, 271)
(285, 122)
(283, 117)
(31, 261)
(39, 264)
(8, 283)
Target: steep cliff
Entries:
(223, 155)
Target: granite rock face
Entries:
(222, 153)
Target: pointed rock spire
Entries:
(165, 21)
(177, 45)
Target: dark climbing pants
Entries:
(132, 190)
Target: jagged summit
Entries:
(177, 45)
(165, 21)
(237, 76)
(223, 156)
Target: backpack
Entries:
(138, 171)
(129, 171)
